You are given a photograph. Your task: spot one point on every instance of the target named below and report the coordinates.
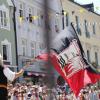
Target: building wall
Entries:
(26, 30)
(35, 31)
(91, 43)
(7, 35)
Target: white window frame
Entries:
(39, 19)
(24, 45)
(9, 54)
(30, 12)
(21, 9)
(96, 57)
(33, 47)
(5, 17)
(33, 14)
(88, 55)
(57, 23)
(94, 28)
(38, 48)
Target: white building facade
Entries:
(30, 29)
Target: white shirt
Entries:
(9, 74)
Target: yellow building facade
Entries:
(87, 25)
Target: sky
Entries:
(96, 4)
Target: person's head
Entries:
(1, 60)
(15, 93)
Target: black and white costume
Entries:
(5, 74)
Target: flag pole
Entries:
(50, 77)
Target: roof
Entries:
(89, 7)
(84, 6)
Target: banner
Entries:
(67, 56)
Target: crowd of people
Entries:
(28, 91)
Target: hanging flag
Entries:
(35, 17)
(69, 60)
(20, 19)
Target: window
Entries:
(96, 58)
(38, 48)
(3, 18)
(30, 15)
(6, 51)
(21, 10)
(88, 55)
(57, 24)
(67, 19)
(40, 18)
(77, 25)
(37, 36)
(46, 24)
(94, 28)
(24, 47)
(63, 24)
(33, 48)
(86, 29)
(33, 15)
(41, 46)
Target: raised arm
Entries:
(13, 75)
(20, 73)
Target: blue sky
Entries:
(96, 4)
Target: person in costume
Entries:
(7, 74)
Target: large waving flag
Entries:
(67, 56)
(69, 60)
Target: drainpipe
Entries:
(14, 22)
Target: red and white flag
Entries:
(69, 60)
(67, 56)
